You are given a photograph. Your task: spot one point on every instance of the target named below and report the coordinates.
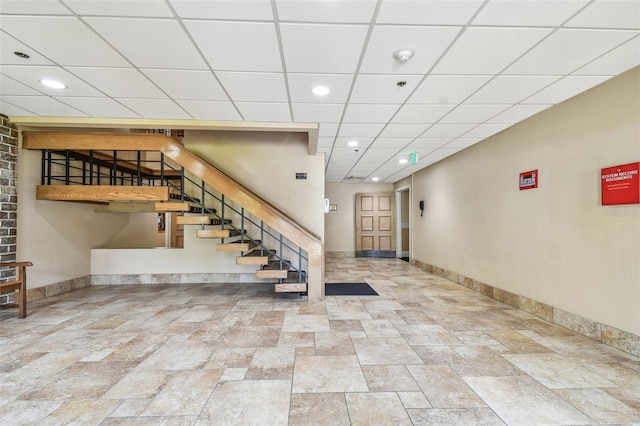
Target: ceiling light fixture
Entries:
(320, 90)
(375, 179)
(352, 143)
(53, 84)
(403, 55)
(403, 161)
(21, 55)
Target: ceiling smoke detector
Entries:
(403, 55)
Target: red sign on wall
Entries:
(621, 184)
(529, 180)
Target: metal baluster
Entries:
(299, 264)
(182, 184)
(242, 226)
(138, 167)
(261, 238)
(202, 195)
(281, 255)
(161, 169)
(43, 167)
(49, 167)
(66, 167)
(222, 214)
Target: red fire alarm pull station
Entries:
(529, 180)
(621, 184)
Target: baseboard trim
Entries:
(55, 289)
(600, 332)
(124, 279)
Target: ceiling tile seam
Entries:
(126, 59)
(283, 63)
(210, 68)
(499, 73)
(572, 73)
(424, 77)
(355, 77)
(17, 106)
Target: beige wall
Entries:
(555, 244)
(58, 237)
(340, 225)
(266, 163)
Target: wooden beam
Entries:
(101, 193)
(94, 140)
(127, 207)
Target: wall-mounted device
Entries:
(421, 207)
(326, 205)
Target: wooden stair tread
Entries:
(217, 233)
(255, 257)
(272, 270)
(101, 193)
(193, 220)
(236, 246)
(291, 288)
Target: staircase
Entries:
(223, 211)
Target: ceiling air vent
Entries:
(354, 178)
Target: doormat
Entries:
(349, 289)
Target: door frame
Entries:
(399, 192)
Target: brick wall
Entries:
(8, 194)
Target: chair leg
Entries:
(22, 308)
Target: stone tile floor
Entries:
(426, 351)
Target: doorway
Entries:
(375, 225)
(403, 231)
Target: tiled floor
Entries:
(426, 351)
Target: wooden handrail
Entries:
(201, 168)
(20, 284)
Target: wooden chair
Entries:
(20, 284)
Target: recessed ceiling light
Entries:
(21, 55)
(320, 90)
(403, 161)
(53, 84)
(375, 179)
(352, 143)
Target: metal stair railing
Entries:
(68, 167)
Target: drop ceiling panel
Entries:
(369, 113)
(264, 111)
(421, 113)
(43, 105)
(383, 88)
(473, 113)
(30, 76)
(66, 40)
(254, 86)
(9, 86)
(427, 42)
(518, 113)
(313, 113)
(430, 12)
(567, 50)
(319, 48)
(447, 89)
(510, 89)
(250, 10)
(374, 155)
(345, 11)
(429, 143)
(447, 130)
(155, 108)
(154, 8)
(488, 50)
(328, 129)
(622, 14)
(187, 85)
(615, 62)
(362, 130)
(119, 82)
(34, 7)
(10, 45)
(485, 130)
(543, 13)
(396, 143)
(362, 143)
(403, 130)
(461, 143)
(247, 45)
(436, 156)
(99, 107)
(300, 86)
(164, 45)
(10, 110)
(565, 89)
(325, 144)
(210, 110)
